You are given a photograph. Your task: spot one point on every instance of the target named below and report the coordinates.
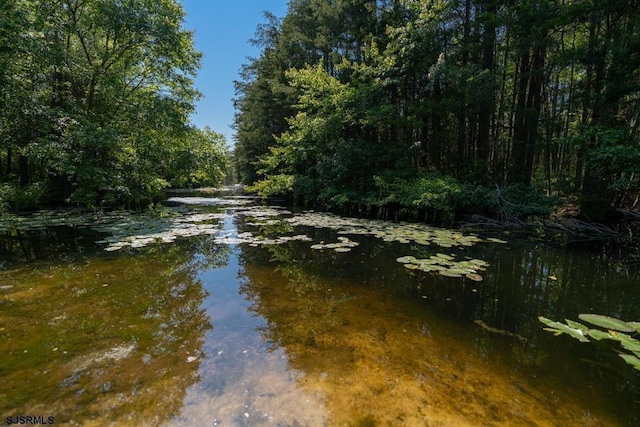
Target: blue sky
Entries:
(222, 33)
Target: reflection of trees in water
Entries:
(208, 255)
(119, 340)
(522, 283)
(377, 352)
(44, 243)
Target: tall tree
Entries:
(98, 93)
(523, 94)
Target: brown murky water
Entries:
(217, 329)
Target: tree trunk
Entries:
(488, 106)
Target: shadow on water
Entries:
(203, 332)
(390, 346)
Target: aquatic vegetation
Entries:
(234, 238)
(141, 230)
(209, 201)
(344, 245)
(610, 329)
(402, 232)
(166, 224)
(446, 265)
(352, 328)
(50, 218)
(123, 229)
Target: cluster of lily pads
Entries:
(446, 265)
(606, 328)
(123, 229)
(402, 232)
(47, 218)
(140, 231)
(343, 245)
(209, 201)
(231, 237)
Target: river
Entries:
(218, 311)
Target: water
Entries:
(209, 331)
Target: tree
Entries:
(98, 100)
(524, 95)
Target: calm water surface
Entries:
(208, 330)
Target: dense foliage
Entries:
(96, 97)
(434, 104)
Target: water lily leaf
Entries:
(474, 276)
(560, 328)
(478, 262)
(635, 325)
(631, 360)
(607, 322)
(628, 342)
(406, 259)
(342, 249)
(449, 273)
(576, 325)
(598, 335)
(411, 266)
(495, 240)
(457, 270)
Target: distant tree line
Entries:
(95, 101)
(441, 105)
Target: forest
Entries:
(96, 97)
(445, 108)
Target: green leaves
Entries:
(97, 100)
(614, 331)
(607, 322)
(560, 328)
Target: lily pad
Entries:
(449, 273)
(495, 240)
(607, 322)
(474, 276)
(631, 360)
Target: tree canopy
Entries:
(434, 104)
(96, 100)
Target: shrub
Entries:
(7, 196)
(275, 185)
(522, 201)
